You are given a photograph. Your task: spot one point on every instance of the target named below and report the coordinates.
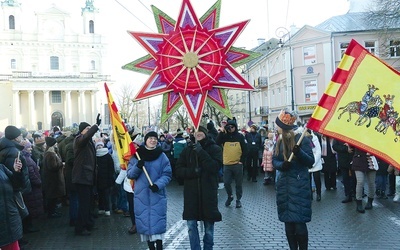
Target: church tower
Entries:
(89, 17)
(11, 15)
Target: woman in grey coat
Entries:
(293, 191)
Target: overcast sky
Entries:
(265, 15)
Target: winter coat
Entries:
(343, 156)
(34, 199)
(85, 169)
(37, 155)
(11, 223)
(267, 160)
(168, 148)
(8, 152)
(293, 191)
(360, 161)
(329, 164)
(105, 169)
(383, 167)
(254, 143)
(54, 184)
(64, 141)
(69, 164)
(150, 207)
(231, 144)
(200, 173)
(317, 166)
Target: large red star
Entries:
(191, 61)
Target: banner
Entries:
(359, 105)
(122, 140)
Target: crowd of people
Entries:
(81, 169)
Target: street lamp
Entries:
(282, 32)
(148, 110)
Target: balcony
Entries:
(262, 110)
(261, 82)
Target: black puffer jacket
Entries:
(8, 152)
(200, 173)
(11, 224)
(105, 166)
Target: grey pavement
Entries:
(254, 226)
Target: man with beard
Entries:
(199, 165)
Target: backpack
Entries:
(178, 148)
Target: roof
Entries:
(353, 21)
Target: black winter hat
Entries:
(210, 125)
(150, 134)
(203, 130)
(50, 141)
(11, 132)
(83, 125)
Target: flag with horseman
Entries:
(361, 105)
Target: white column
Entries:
(67, 109)
(46, 110)
(94, 107)
(31, 110)
(16, 109)
(82, 106)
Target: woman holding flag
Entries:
(293, 191)
(152, 172)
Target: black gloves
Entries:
(140, 164)
(154, 188)
(286, 165)
(296, 149)
(98, 120)
(197, 147)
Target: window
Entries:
(54, 63)
(92, 65)
(11, 22)
(91, 27)
(55, 96)
(343, 47)
(13, 64)
(394, 47)
(370, 46)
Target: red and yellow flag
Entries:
(361, 105)
(122, 139)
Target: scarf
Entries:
(147, 154)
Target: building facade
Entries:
(49, 75)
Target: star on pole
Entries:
(191, 61)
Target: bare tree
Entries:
(126, 107)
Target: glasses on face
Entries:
(152, 138)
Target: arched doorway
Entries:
(57, 119)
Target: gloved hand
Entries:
(140, 164)
(296, 149)
(98, 120)
(197, 147)
(154, 188)
(286, 165)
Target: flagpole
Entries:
(298, 143)
(145, 171)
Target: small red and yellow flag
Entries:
(122, 139)
(361, 105)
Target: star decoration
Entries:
(191, 61)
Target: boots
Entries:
(348, 199)
(369, 204)
(291, 238)
(383, 195)
(360, 208)
(302, 241)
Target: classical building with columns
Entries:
(49, 75)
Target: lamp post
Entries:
(282, 32)
(148, 110)
(245, 73)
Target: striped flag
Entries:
(122, 139)
(361, 105)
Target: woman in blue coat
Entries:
(293, 191)
(150, 200)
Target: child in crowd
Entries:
(267, 160)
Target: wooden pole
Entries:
(298, 143)
(145, 171)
